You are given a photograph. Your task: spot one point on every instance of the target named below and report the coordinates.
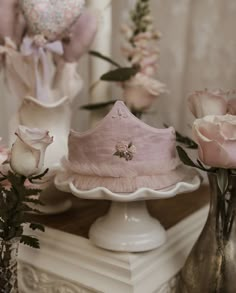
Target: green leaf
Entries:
(188, 142)
(222, 180)
(120, 74)
(31, 191)
(30, 241)
(37, 226)
(200, 164)
(185, 158)
(103, 57)
(27, 208)
(97, 106)
(34, 201)
(40, 176)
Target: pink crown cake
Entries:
(123, 154)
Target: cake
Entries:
(123, 154)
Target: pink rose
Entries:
(216, 138)
(141, 91)
(203, 103)
(28, 151)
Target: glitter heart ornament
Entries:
(50, 17)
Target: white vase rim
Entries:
(56, 104)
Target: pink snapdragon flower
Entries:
(141, 91)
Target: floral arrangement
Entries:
(20, 178)
(214, 131)
(141, 54)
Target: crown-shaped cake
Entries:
(123, 154)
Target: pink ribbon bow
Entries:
(38, 46)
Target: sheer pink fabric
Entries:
(92, 162)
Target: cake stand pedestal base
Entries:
(128, 227)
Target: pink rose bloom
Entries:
(216, 138)
(203, 103)
(28, 151)
(141, 91)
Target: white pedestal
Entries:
(68, 263)
(128, 227)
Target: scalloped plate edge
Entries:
(101, 193)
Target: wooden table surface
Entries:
(84, 212)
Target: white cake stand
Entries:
(128, 226)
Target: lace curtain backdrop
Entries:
(197, 51)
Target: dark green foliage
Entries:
(98, 106)
(30, 241)
(37, 226)
(186, 141)
(103, 57)
(138, 16)
(188, 162)
(120, 74)
(14, 204)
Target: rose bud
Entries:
(203, 103)
(28, 151)
(216, 139)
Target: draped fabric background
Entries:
(198, 50)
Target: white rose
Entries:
(28, 151)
